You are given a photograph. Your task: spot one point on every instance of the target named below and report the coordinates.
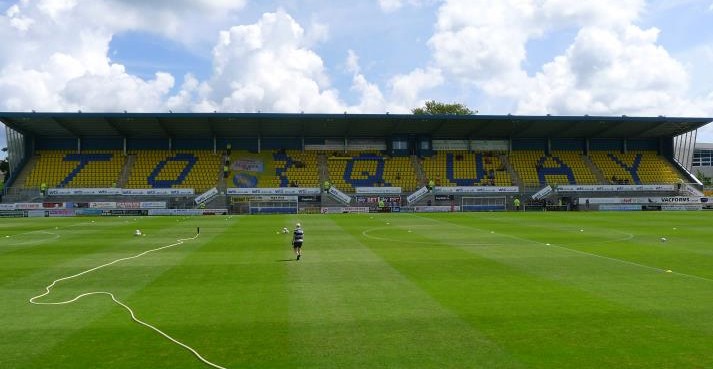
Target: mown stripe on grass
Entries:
(72, 322)
(349, 308)
(669, 310)
(681, 298)
(508, 293)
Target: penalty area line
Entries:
(48, 290)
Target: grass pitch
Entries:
(472, 290)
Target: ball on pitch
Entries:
(663, 239)
(285, 230)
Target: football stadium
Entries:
(220, 240)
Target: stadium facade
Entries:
(274, 163)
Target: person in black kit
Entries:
(297, 239)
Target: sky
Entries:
(535, 57)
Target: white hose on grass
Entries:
(48, 289)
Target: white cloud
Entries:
(609, 72)
(57, 59)
(118, 90)
(404, 91)
(56, 8)
(407, 90)
(389, 6)
(266, 66)
(483, 42)
(602, 13)
(55, 52)
(353, 62)
(184, 20)
(611, 67)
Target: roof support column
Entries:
(170, 143)
(259, 144)
(586, 146)
(125, 146)
(346, 143)
(626, 149)
(79, 145)
(215, 145)
(549, 146)
(303, 143)
(509, 145)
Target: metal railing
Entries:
(18, 194)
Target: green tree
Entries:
(4, 166)
(702, 177)
(434, 107)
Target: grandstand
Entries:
(296, 168)
(377, 154)
(197, 169)
(560, 167)
(352, 169)
(63, 168)
(451, 168)
(640, 167)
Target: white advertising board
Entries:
(339, 195)
(273, 191)
(476, 189)
(378, 190)
(645, 200)
(28, 206)
(344, 210)
(83, 191)
(614, 188)
(435, 209)
(152, 205)
(157, 191)
(419, 194)
(213, 192)
(102, 205)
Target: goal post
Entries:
(273, 207)
(491, 203)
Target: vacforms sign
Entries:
(645, 200)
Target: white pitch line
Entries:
(123, 305)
